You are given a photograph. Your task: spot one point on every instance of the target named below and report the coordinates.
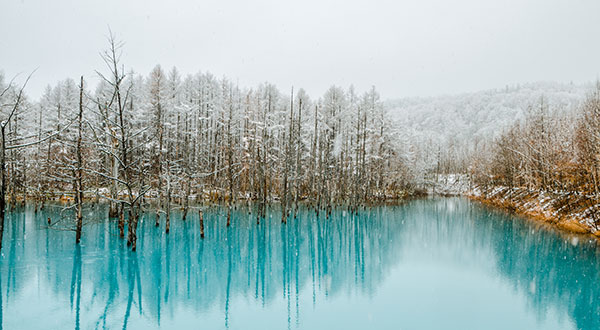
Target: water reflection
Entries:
(181, 279)
(552, 269)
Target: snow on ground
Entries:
(554, 206)
(448, 184)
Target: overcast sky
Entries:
(404, 48)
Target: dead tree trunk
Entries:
(122, 220)
(286, 166)
(186, 202)
(168, 203)
(298, 151)
(113, 211)
(3, 156)
(229, 162)
(79, 170)
(201, 223)
(3, 182)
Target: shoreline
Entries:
(568, 212)
(193, 202)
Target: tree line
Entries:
(164, 141)
(552, 150)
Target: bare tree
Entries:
(118, 128)
(14, 108)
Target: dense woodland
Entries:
(164, 141)
(550, 150)
(450, 130)
(539, 137)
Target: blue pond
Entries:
(440, 263)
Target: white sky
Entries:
(404, 48)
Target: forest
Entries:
(450, 130)
(552, 156)
(548, 150)
(166, 141)
(163, 141)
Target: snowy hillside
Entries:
(452, 126)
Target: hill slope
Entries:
(443, 131)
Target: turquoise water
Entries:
(442, 263)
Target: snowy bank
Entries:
(570, 211)
(448, 184)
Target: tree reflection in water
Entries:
(110, 287)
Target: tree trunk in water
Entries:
(229, 215)
(79, 174)
(122, 220)
(130, 227)
(264, 197)
(186, 203)
(168, 209)
(284, 200)
(2, 184)
(286, 167)
(201, 223)
(229, 165)
(168, 222)
(298, 151)
(113, 212)
(258, 214)
(79, 223)
(133, 221)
